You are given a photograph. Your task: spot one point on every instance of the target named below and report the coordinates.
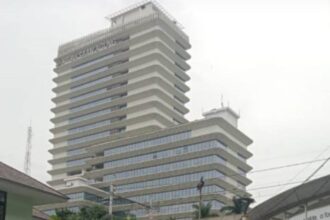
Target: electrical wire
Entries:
(308, 165)
(252, 172)
(294, 191)
(287, 166)
(270, 186)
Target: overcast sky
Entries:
(269, 58)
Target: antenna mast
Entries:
(27, 161)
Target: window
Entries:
(3, 198)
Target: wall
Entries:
(18, 208)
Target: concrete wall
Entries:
(18, 208)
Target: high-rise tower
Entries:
(119, 120)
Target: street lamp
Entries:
(200, 186)
(111, 192)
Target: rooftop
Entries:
(12, 175)
(155, 4)
(89, 39)
(294, 197)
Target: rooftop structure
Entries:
(155, 13)
(311, 198)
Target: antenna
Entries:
(222, 105)
(27, 161)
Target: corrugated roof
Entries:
(10, 174)
(291, 198)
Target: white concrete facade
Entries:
(119, 119)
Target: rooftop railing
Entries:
(109, 32)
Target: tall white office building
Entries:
(119, 120)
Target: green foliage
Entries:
(123, 216)
(96, 212)
(63, 214)
(92, 213)
(241, 205)
(205, 210)
(54, 217)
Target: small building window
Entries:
(3, 198)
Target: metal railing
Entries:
(74, 45)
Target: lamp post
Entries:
(111, 189)
(200, 186)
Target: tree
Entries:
(54, 217)
(123, 216)
(205, 210)
(95, 212)
(241, 205)
(63, 214)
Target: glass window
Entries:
(163, 168)
(96, 102)
(148, 143)
(3, 198)
(95, 114)
(181, 208)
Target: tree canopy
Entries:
(241, 206)
(205, 210)
(96, 212)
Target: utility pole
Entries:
(111, 192)
(150, 211)
(200, 186)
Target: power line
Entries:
(210, 193)
(304, 169)
(252, 172)
(291, 155)
(263, 187)
(317, 170)
(287, 166)
(299, 172)
(277, 185)
(295, 189)
(284, 184)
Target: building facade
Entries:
(119, 120)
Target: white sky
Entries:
(269, 58)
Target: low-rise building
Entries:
(307, 201)
(20, 192)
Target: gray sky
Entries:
(269, 58)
